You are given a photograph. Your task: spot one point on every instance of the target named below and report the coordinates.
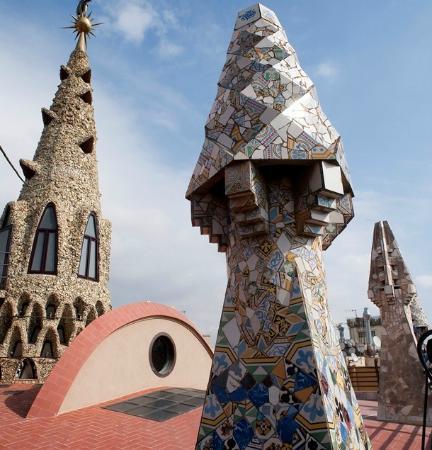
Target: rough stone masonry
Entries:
(54, 280)
(391, 288)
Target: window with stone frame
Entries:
(6, 317)
(49, 346)
(26, 370)
(45, 246)
(16, 344)
(89, 261)
(79, 307)
(23, 305)
(5, 241)
(47, 349)
(35, 323)
(51, 307)
(17, 349)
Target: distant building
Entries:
(357, 329)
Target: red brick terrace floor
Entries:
(97, 428)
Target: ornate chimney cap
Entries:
(266, 108)
(254, 13)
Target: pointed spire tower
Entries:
(272, 189)
(54, 243)
(391, 288)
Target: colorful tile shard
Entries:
(271, 188)
(391, 288)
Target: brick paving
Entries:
(89, 428)
(97, 428)
(389, 435)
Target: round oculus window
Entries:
(162, 355)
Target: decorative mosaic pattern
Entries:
(278, 376)
(278, 379)
(267, 109)
(391, 288)
(266, 106)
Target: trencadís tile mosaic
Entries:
(272, 190)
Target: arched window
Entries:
(16, 350)
(47, 349)
(65, 327)
(23, 305)
(90, 317)
(79, 308)
(15, 344)
(99, 308)
(27, 370)
(44, 254)
(35, 323)
(88, 267)
(5, 320)
(5, 240)
(51, 307)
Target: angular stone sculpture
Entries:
(401, 381)
(271, 188)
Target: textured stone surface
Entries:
(271, 189)
(66, 176)
(401, 381)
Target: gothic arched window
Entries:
(88, 267)
(49, 347)
(44, 254)
(5, 238)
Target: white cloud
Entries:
(327, 70)
(134, 20)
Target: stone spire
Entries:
(392, 289)
(65, 159)
(55, 266)
(271, 189)
(390, 278)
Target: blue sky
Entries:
(155, 67)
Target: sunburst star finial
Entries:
(82, 24)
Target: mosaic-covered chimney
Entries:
(391, 288)
(54, 243)
(272, 190)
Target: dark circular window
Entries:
(162, 355)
